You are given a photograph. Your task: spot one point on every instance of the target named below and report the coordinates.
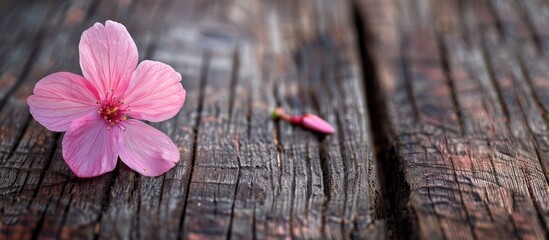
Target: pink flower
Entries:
(97, 110)
(309, 121)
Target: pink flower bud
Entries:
(315, 123)
(309, 121)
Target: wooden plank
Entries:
(529, 181)
(26, 163)
(529, 128)
(233, 176)
(241, 175)
(37, 208)
(216, 167)
(260, 177)
(319, 176)
(471, 155)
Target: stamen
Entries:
(112, 110)
(109, 112)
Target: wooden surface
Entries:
(439, 108)
(463, 86)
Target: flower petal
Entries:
(146, 149)
(316, 123)
(89, 147)
(60, 98)
(155, 92)
(108, 56)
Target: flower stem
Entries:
(279, 113)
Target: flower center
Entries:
(112, 110)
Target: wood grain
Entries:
(465, 123)
(241, 174)
(439, 109)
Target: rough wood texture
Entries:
(463, 85)
(241, 175)
(454, 94)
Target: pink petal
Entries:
(89, 148)
(155, 92)
(60, 98)
(108, 56)
(146, 149)
(316, 123)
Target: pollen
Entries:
(112, 110)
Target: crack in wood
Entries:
(206, 58)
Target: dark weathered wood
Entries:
(54, 203)
(28, 146)
(289, 196)
(465, 125)
(241, 174)
(458, 98)
(339, 172)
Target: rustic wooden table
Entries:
(438, 107)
